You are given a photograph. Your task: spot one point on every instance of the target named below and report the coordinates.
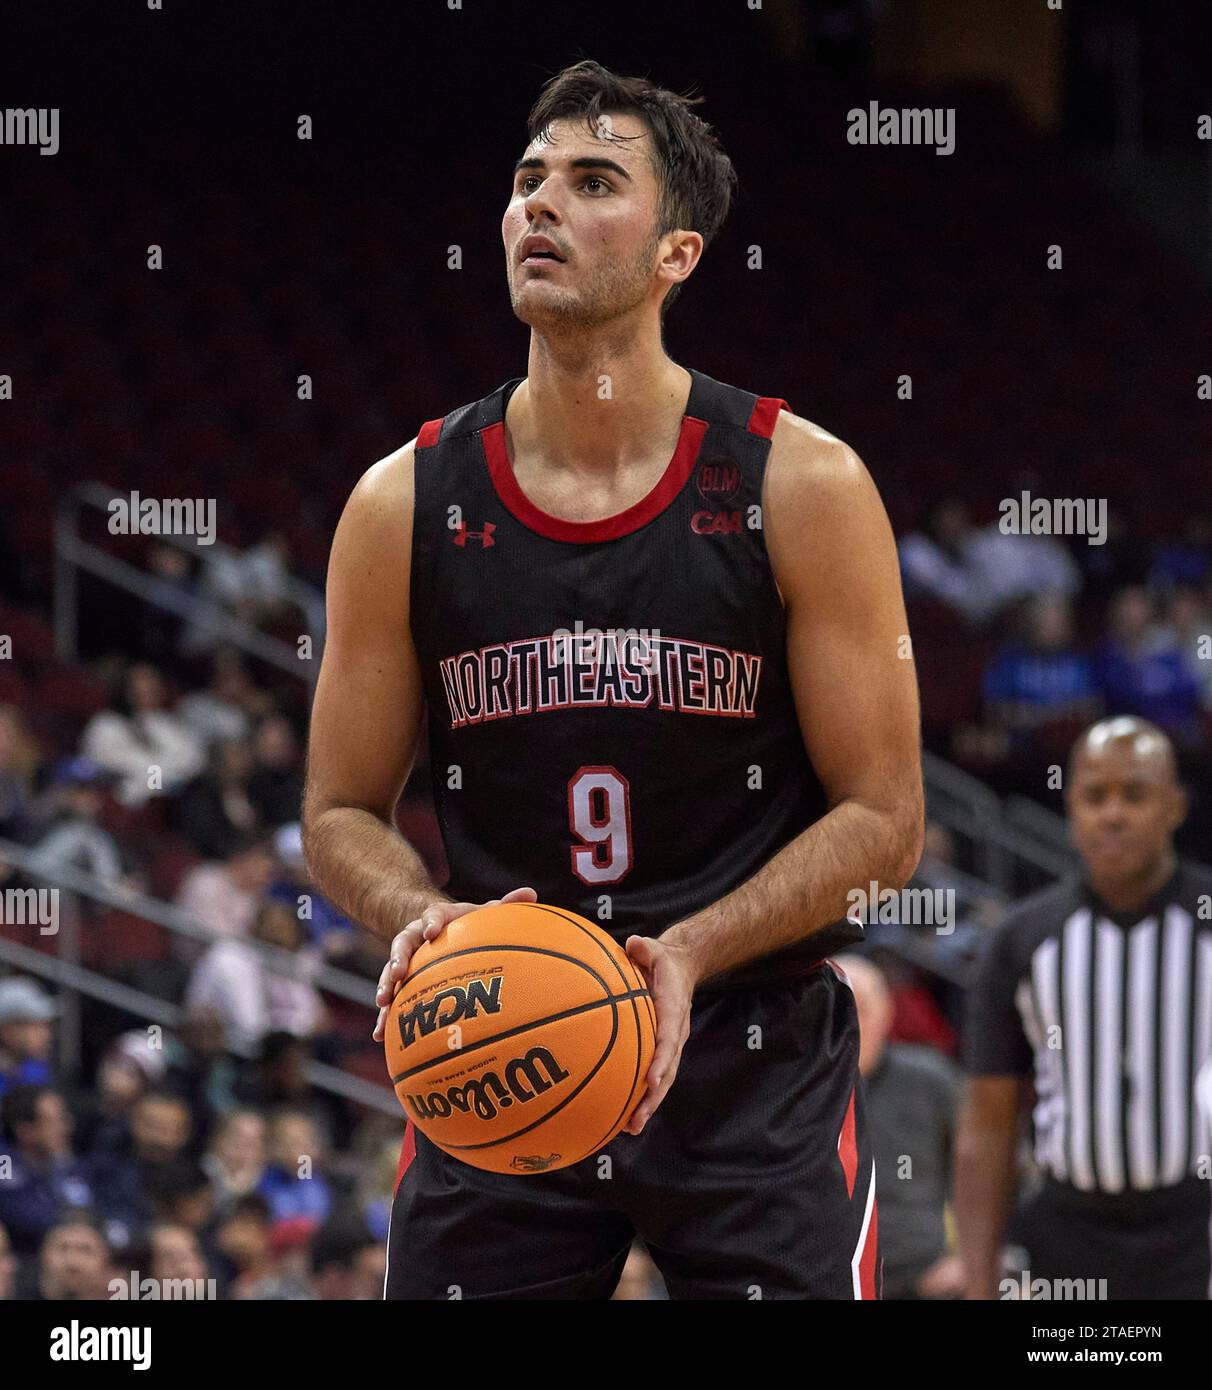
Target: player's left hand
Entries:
(669, 973)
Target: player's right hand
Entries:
(436, 916)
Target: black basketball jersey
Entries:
(610, 715)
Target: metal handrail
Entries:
(947, 779)
(935, 873)
(1011, 840)
(73, 553)
(65, 968)
(1002, 835)
(1037, 820)
(162, 914)
(144, 1005)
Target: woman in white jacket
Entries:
(146, 746)
(255, 993)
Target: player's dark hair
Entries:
(696, 177)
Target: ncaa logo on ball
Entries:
(448, 1006)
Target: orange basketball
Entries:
(521, 1038)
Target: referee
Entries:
(1102, 988)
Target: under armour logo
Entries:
(484, 537)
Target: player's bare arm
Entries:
(364, 728)
(985, 1176)
(855, 689)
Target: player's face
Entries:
(1123, 809)
(594, 197)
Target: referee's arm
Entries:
(998, 1060)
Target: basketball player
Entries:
(708, 785)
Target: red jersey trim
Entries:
(427, 435)
(515, 501)
(765, 415)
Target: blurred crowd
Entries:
(201, 1152)
(180, 1162)
(1023, 640)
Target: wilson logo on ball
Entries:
(525, 1078)
(451, 1005)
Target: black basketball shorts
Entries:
(753, 1180)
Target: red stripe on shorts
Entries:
(847, 1148)
(408, 1151)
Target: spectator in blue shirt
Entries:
(125, 1179)
(1042, 679)
(27, 1033)
(293, 1183)
(44, 1177)
(1142, 668)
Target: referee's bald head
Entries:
(1124, 800)
(1125, 736)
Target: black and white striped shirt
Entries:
(1114, 1012)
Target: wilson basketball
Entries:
(520, 1040)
